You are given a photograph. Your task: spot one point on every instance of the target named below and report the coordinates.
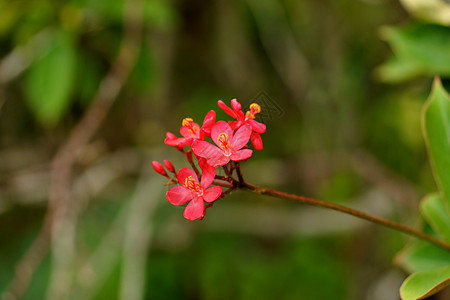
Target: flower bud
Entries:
(169, 166)
(257, 141)
(159, 168)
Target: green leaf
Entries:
(424, 284)
(50, 80)
(422, 256)
(436, 127)
(433, 210)
(420, 49)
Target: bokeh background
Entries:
(335, 131)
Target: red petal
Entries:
(208, 173)
(218, 128)
(195, 209)
(237, 109)
(235, 105)
(184, 173)
(212, 194)
(241, 154)
(178, 142)
(170, 136)
(257, 141)
(219, 160)
(205, 149)
(178, 195)
(210, 119)
(241, 137)
(226, 109)
(234, 124)
(256, 126)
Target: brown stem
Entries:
(336, 207)
(346, 210)
(239, 174)
(191, 162)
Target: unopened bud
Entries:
(169, 166)
(159, 168)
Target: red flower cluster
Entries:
(230, 139)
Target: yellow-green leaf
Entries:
(422, 256)
(436, 128)
(424, 284)
(433, 210)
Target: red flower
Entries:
(230, 145)
(248, 118)
(194, 192)
(191, 131)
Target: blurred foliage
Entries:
(314, 60)
(419, 50)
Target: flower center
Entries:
(189, 123)
(192, 185)
(224, 143)
(254, 109)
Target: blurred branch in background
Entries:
(59, 219)
(138, 233)
(280, 45)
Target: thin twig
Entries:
(191, 162)
(349, 211)
(336, 207)
(239, 174)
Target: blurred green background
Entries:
(336, 133)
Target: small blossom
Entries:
(229, 145)
(247, 118)
(159, 168)
(193, 191)
(189, 129)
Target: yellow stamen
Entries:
(191, 184)
(223, 140)
(187, 122)
(254, 109)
